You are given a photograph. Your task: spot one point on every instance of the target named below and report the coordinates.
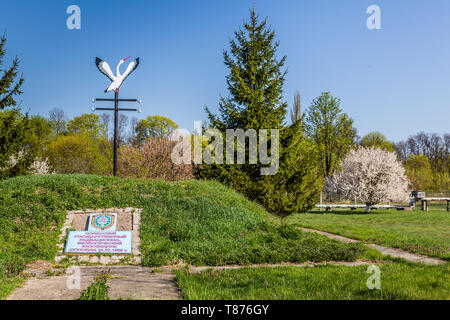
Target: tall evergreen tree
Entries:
(255, 83)
(17, 153)
(255, 80)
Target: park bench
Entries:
(328, 207)
(426, 200)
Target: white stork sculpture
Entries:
(116, 81)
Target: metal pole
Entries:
(116, 129)
(321, 209)
(116, 110)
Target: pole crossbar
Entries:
(123, 100)
(116, 110)
(112, 109)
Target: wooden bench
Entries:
(328, 207)
(426, 200)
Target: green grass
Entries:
(398, 281)
(8, 284)
(198, 222)
(416, 231)
(97, 290)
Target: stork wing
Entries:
(131, 67)
(104, 68)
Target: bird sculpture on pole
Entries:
(116, 82)
(118, 79)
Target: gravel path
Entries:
(193, 269)
(394, 252)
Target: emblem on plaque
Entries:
(103, 221)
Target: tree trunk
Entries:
(367, 208)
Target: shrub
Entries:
(418, 170)
(79, 153)
(152, 161)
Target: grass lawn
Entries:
(398, 281)
(416, 231)
(198, 222)
(8, 284)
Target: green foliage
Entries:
(296, 186)
(17, 154)
(331, 130)
(154, 127)
(419, 173)
(255, 83)
(400, 281)
(89, 124)
(377, 140)
(79, 153)
(441, 182)
(40, 133)
(8, 89)
(84, 149)
(98, 290)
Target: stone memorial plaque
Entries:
(92, 242)
(102, 222)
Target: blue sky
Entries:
(395, 80)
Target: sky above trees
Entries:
(394, 80)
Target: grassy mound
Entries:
(199, 222)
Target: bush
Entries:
(152, 161)
(79, 153)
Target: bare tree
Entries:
(57, 116)
(106, 119)
(431, 145)
(369, 175)
(132, 133)
(123, 123)
(296, 112)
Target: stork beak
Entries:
(127, 58)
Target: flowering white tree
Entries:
(41, 166)
(371, 176)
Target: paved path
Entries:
(394, 252)
(127, 282)
(193, 269)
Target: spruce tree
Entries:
(255, 84)
(255, 80)
(17, 153)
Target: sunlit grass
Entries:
(425, 232)
(398, 281)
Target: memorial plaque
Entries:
(101, 237)
(92, 242)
